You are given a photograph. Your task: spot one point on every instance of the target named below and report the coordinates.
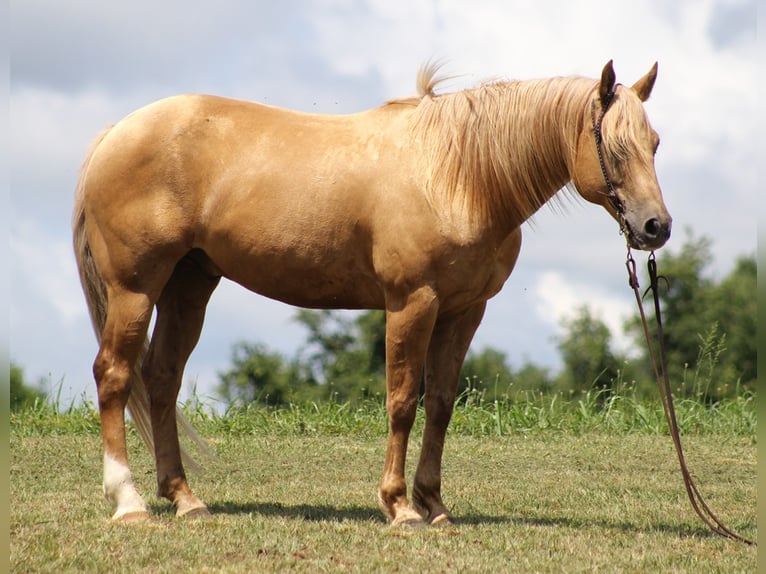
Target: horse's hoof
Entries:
(409, 523)
(198, 513)
(442, 519)
(136, 517)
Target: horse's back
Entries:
(208, 148)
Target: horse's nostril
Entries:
(653, 227)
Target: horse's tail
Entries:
(96, 297)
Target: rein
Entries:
(663, 384)
(660, 366)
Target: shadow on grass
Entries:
(312, 512)
(680, 530)
(321, 512)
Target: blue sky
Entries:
(78, 66)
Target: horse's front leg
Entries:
(409, 324)
(450, 341)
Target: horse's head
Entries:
(614, 162)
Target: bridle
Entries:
(611, 194)
(659, 364)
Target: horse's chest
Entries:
(476, 275)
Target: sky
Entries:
(79, 66)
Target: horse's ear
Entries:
(607, 82)
(643, 87)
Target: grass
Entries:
(621, 413)
(543, 485)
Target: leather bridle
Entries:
(611, 194)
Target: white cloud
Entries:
(558, 299)
(47, 264)
(51, 133)
(704, 96)
(243, 315)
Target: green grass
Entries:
(543, 485)
(620, 413)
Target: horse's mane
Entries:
(494, 151)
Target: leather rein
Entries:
(659, 364)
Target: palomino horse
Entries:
(414, 207)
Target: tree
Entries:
(344, 359)
(709, 328)
(586, 352)
(347, 356)
(22, 395)
(710, 333)
(486, 372)
(329, 335)
(372, 336)
(532, 378)
(734, 309)
(263, 376)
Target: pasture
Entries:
(543, 486)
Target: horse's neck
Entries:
(543, 135)
(506, 152)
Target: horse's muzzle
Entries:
(653, 234)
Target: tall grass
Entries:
(621, 411)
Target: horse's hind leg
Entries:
(180, 314)
(449, 344)
(123, 335)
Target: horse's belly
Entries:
(316, 284)
(321, 292)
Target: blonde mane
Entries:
(495, 152)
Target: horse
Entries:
(413, 207)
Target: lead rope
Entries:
(663, 383)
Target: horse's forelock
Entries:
(624, 125)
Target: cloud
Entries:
(559, 299)
(706, 89)
(51, 132)
(87, 44)
(733, 23)
(46, 264)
